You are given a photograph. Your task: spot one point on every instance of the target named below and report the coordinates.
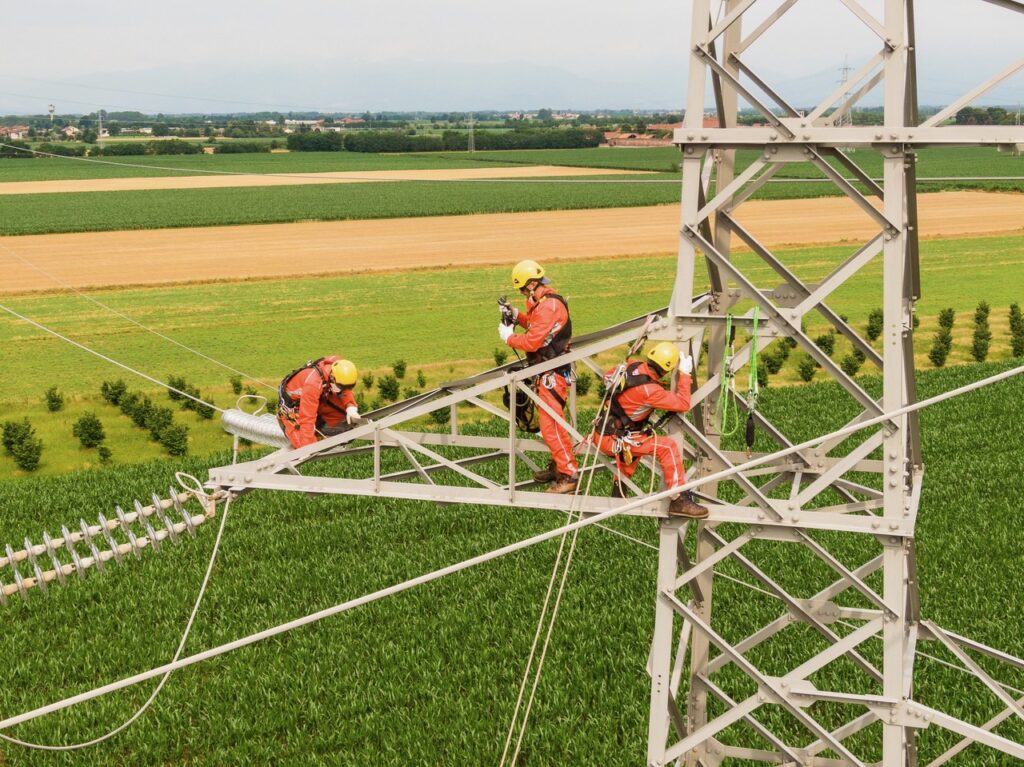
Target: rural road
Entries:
(163, 256)
(202, 181)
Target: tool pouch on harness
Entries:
(527, 418)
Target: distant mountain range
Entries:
(408, 86)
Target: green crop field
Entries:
(52, 169)
(430, 677)
(103, 211)
(956, 161)
(266, 328)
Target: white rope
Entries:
(105, 358)
(112, 310)
(591, 445)
(166, 676)
(495, 554)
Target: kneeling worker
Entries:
(621, 430)
(317, 399)
(548, 335)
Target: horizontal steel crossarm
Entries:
(988, 726)
(844, 88)
(440, 459)
(975, 669)
(921, 716)
(773, 628)
(759, 728)
(971, 95)
(429, 493)
(852, 136)
(328, 446)
(488, 407)
(767, 685)
(798, 609)
(426, 470)
(798, 285)
(782, 319)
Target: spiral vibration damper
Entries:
(127, 533)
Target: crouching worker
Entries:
(316, 400)
(621, 430)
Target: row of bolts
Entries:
(115, 550)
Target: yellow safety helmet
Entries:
(344, 373)
(525, 271)
(665, 355)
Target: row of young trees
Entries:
(405, 141)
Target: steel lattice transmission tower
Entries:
(821, 500)
(819, 492)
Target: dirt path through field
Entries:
(278, 250)
(199, 181)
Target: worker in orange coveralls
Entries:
(621, 430)
(317, 400)
(548, 334)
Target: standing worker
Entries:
(548, 335)
(317, 399)
(621, 430)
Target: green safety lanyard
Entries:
(728, 413)
(728, 416)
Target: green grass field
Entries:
(430, 677)
(104, 211)
(266, 328)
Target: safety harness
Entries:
(619, 423)
(288, 404)
(556, 343)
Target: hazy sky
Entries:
(450, 54)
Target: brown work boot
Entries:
(565, 484)
(683, 505)
(550, 474)
(618, 490)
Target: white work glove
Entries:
(352, 415)
(505, 331)
(685, 364)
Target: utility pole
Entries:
(844, 71)
(472, 138)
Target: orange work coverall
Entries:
(639, 403)
(543, 318)
(318, 406)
